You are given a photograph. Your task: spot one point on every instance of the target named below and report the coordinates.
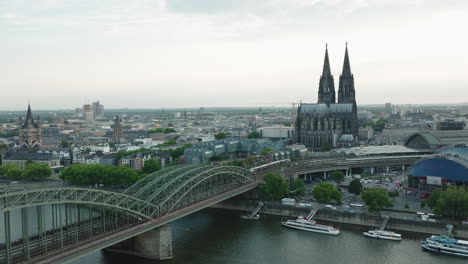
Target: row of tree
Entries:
(32, 171)
(452, 203)
(161, 130)
(82, 174)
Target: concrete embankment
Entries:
(348, 218)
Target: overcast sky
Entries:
(60, 54)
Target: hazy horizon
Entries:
(151, 54)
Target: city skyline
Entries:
(174, 54)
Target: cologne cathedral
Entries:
(330, 123)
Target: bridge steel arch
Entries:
(210, 182)
(30, 197)
(158, 198)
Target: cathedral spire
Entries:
(326, 63)
(326, 93)
(346, 64)
(29, 116)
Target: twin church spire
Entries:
(346, 92)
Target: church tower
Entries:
(30, 133)
(326, 94)
(117, 130)
(346, 92)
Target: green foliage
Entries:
(379, 125)
(325, 147)
(267, 150)
(253, 134)
(121, 154)
(11, 171)
(433, 199)
(355, 187)
(406, 205)
(337, 176)
(176, 153)
(9, 134)
(393, 194)
(453, 203)
(222, 135)
(275, 187)
(99, 174)
(151, 165)
(297, 186)
(376, 199)
(171, 142)
(36, 172)
(237, 163)
(64, 143)
(3, 171)
(325, 192)
(423, 204)
(161, 130)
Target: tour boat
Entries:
(446, 245)
(380, 234)
(305, 224)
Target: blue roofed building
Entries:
(447, 167)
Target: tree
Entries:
(297, 186)
(168, 143)
(433, 199)
(253, 134)
(267, 150)
(453, 203)
(393, 194)
(379, 125)
(99, 174)
(64, 143)
(237, 163)
(13, 171)
(275, 186)
(3, 150)
(355, 187)
(36, 172)
(151, 165)
(423, 204)
(337, 176)
(376, 199)
(221, 135)
(325, 192)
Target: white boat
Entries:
(302, 223)
(446, 245)
(380, 234)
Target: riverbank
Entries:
(338, 217)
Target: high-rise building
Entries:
(98, 110)
(30, 133)
(88, 113)
(328, 124)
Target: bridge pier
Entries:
(154, 244)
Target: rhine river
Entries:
(220, 236)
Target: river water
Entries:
(220, 236)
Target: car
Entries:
(329, 206)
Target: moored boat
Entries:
(380, 234)
(303, 223)
(446, 245)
